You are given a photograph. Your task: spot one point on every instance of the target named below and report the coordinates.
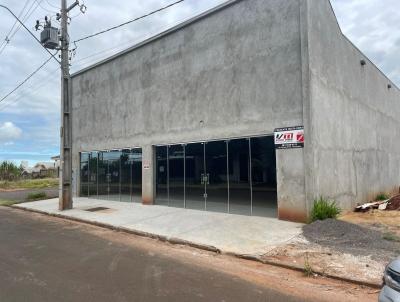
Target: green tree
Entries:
(9, 170)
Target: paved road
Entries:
(21, 195)
(43, 260)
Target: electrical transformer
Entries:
(49, 37)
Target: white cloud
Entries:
(9, 132)
(371, 24)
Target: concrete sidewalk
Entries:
(241, 235)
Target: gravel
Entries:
(352, 239)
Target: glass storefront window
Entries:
(112, 175)
(84, 175)
(236, 176)
(263, 176)
(162, 175)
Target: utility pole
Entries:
(53, 39)
(65, 198)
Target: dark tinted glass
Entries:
(93, 174)
(216, 181)
(263, 165)
(194, 154)
(239, 177)
(102, 166)
(136, 159)
(84, 175)
(126, 176)
(161, 175)
(176, 175)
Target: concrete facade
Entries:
(244, 69)
(354, 116)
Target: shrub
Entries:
(36, 195)
(324, 209)
(382, 196)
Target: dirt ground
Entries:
(357, 246)
(385, 221)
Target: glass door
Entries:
(239, 177)
(136, 160)
(176, 172)
(195, 176)
(216, 176)
(113, 175)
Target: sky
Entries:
(30, 118)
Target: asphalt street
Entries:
(20, 195)
(43, 260)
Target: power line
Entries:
(15, 22)
(52, 5)
(23, 25)
(130, 21)
(7, 39)
(30, 91)
(45, 9)
(27, 15)
(24, 81)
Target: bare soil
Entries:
(383, 221)
(394, 204)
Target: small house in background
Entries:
(43, 169)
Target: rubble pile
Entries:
(392, 204)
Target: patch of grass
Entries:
(323, 209)
(7, 202)
(391, 237)
(382, 196)
(29, 183)
(36, 196)
(308, 271)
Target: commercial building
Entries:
(188, 117)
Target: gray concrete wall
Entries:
(355, 119)
(236, 72)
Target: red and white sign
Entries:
(289, 137)
(146, 165)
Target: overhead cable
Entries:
(128, 22)
(24, 81)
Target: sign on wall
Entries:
(289, 137)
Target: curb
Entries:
(205, 247)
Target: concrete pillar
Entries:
(290, 185)
(148, 174)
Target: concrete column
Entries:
(290, 185)
(148, 174)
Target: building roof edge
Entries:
(159, 36)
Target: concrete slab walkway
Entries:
(242, 235)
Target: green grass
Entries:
(8, 202)
(382, 196)
(29, 184)
(36, 196)
(323, 209)
(391, 237)
(308, 270)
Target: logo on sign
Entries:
(290, 137)
(300, 137)
(284, 137)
